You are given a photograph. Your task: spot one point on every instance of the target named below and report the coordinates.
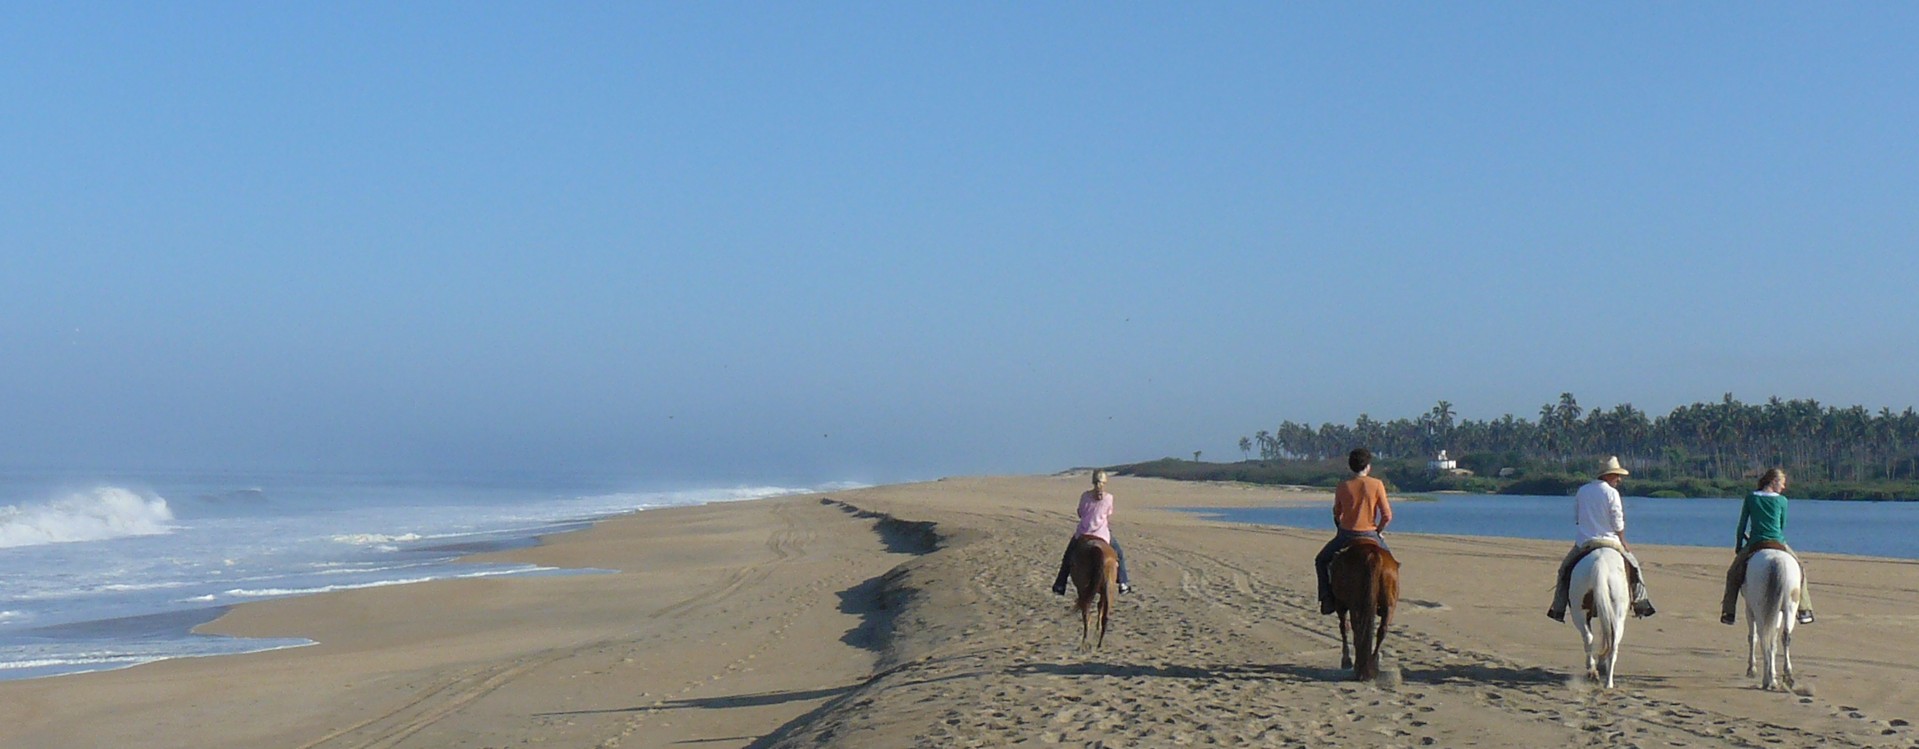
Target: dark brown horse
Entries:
(1365, 579)
(1095, 572)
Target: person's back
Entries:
(1598, 513)
(1359, 504)
(1095, 508)
(1762, 518)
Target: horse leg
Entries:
(1586, 641)
(1379, 638)
(1108, 588)
(1752, 644)
(1085, 624)
(1768, 649)
(1616, 634)
(1785, 642)
(1345, 650)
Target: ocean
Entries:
(111, 573)
(1879, 529)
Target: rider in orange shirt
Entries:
(1360, 510)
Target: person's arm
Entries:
(1616, 512)
(1339, 498)
(1740, 532)
(1384, 514)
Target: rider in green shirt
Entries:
(1762, 518)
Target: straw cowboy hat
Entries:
(1612, 467)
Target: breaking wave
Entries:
(96, 514)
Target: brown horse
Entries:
(1365, 579)
(1095, 572)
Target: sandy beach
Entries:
(919, 616)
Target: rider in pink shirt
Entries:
(1095, 507)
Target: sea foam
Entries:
(91, 515)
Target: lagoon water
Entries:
(109, 574)
(1882, 529)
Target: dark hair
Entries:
(1771, 475)
(1359, 458)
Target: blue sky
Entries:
(885, 241)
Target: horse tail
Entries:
(1365, 616)
(1087, 556)
(1108, 584)
(1773, 595)
(1768, 579)
(1608, 591)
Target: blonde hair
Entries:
(1772, 475)
(1099, 477)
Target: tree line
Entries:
(1723, 440)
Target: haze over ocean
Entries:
(712, 244)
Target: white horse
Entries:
(1772, 605)
(1600, 593)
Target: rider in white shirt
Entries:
(1599, 519)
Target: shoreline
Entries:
(104, 630)
(917, 615)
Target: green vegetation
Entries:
(1699, 450)
(1403, 476)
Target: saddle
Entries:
(1758, 546)
(1361, 541)
(1632, 573)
